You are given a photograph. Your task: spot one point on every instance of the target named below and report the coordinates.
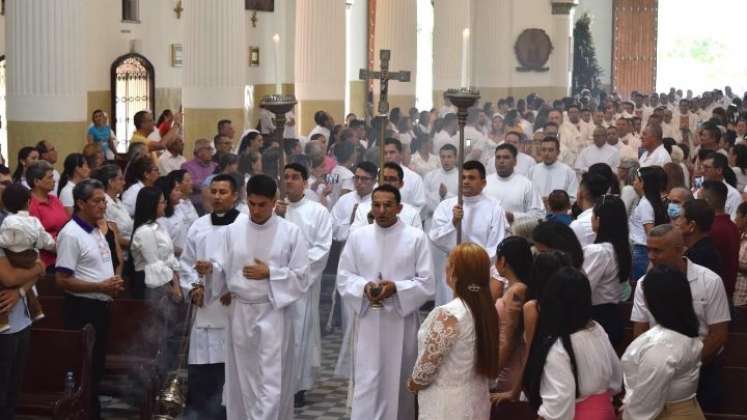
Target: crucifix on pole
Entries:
(383, 76)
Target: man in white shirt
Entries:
(173, 158)
(443, 182)
(513, 191)
(84, 270)
(413, 192)
(599, 152)
(591, 188)
(315, 223)
(625, 151)
(447, 133)
(551, 174)
(341, 178)
(713, 167)
(264, 282)
(482, 219)
(343, 213)
(323, 124)
(569, 137)
(207, 340)
(385, 274)
(655, 154)
(666, 246)
(627, 136)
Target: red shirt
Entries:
(726, 239)
(53, 217)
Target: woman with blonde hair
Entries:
(458, 344)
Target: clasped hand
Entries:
(377, 292)
(258, 271)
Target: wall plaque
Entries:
(533, 48)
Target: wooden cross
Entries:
(384, 76)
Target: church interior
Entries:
(278, 63)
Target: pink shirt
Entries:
(52, 216)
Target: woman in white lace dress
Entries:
(458, 344)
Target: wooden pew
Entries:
(42, 392)
(134, 347)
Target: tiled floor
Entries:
(325, 402)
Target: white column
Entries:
(562, 39)
(356, 43)
(46, 73)
(215, 54)
(46, 60)
(450, 19)
(215, 63)
(396, 30)
(319, 60)
(493, 60)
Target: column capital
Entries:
(563, 7)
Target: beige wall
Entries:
(358, 97)
(202, 123)
(68, 137)
(305, 113)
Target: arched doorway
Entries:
(133, 89)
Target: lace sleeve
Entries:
(439, 341)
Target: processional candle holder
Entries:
(463, 98)
(279, 105)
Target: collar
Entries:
(396, 224)
(474, 198)
(224, 220)
(297, 203)
(83, 224)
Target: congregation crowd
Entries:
(571, 208)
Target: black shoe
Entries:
(299, 400)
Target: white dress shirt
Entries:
(641, 215)
(153, 253)
(709, 299)
(582, 227)
(599, 371)
(66, 195)
(168, 162)
(117, 213)
(593, 154)
(129, 197)
(660, 366)
(602, 270)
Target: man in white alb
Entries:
(524, 162)
(652, 142)
(207, 340)
(413, 192)
(343, 213)
(441, 183)
(392, 175)
(446, 134)
(599, 152)
(385, 274)
(514, 192)
(264, 264)
(551, 174)
(315, 223)
(482, 219)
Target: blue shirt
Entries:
(100, 136)
(559, 217)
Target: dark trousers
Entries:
(204, 392)
(608, 316)
(14, 349)
(709, 385)
(76, 313)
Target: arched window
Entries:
(133, 89)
